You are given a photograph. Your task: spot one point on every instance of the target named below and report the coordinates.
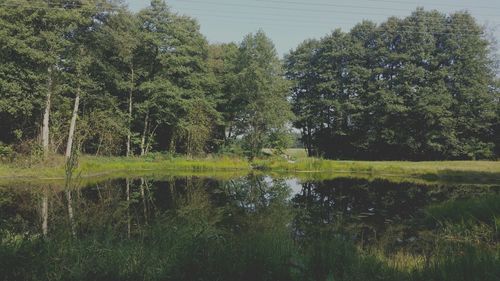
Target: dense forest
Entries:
(92, 76)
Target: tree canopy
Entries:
(417, 88)
(114, 82)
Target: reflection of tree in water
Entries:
(253, 193)
(126, 206)
(368, 210)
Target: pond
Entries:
(250, 227)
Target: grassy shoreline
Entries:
(90, 166)
(458, 171)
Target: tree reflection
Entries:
(369, 212)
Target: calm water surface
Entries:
(184, 227)
(368, 211)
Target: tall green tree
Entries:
(222, 64)
(176, 84)
(119, 42)
(261, 92)
(34, 38)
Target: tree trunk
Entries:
(72, 125)
(149, 142)
(129, 135)
(46, 115)
(99, 147)
(144, 134)
(69, 159)
(308, 142)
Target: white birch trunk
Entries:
(72, 125)
(144, 134)
(46, 115)
(129, 135)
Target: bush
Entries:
(6, 152)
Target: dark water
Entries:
(389, 217)
(368, 210)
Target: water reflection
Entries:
(185, 225)
(363, 209)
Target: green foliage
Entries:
(131, 79)
(484, 210)
(6, 151)
(280, 141)
(261, 92)
(195, 132)
(415, 88)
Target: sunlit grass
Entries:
(466, 171)
(301, 167)
(402, 261)
(89, 166)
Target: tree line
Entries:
(121, 83)
(424, 87)
(93, 76)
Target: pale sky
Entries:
(289, 22)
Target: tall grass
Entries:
(178, 253)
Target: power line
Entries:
(278, 16)
(229, 17)
(299, 16)
(328, 5)
(239, 5)
(341, 5)
(308, 26)
(76, 5)
(273, 20)
(67, 7)
(376, 1)
(121, 9)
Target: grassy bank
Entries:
(459, 171)
(89, 166)
(302, 167)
